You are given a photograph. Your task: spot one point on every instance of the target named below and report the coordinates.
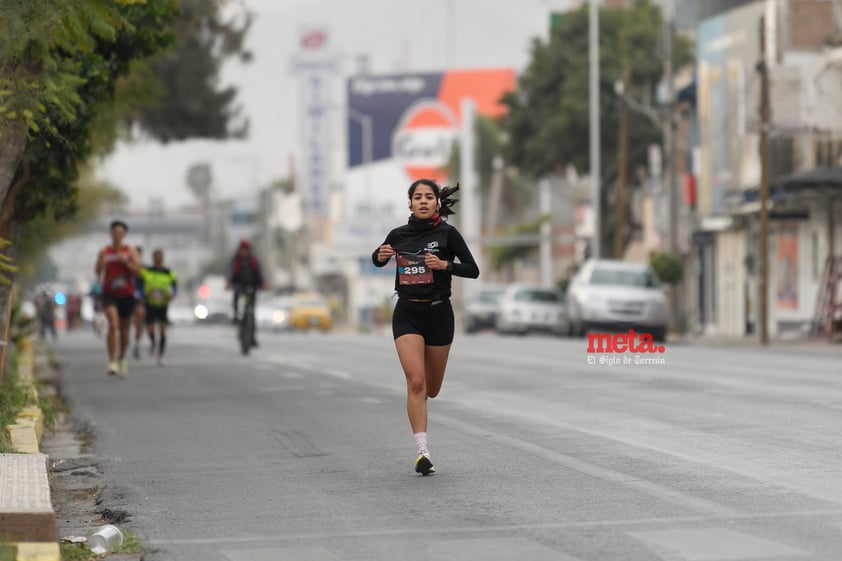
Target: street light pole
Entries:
(593, 55)
(620, 203)
(763, 250)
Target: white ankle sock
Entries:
(421, 442)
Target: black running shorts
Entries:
(432, 320)
(156, 314)
(125, 304)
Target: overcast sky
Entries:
(396, 35)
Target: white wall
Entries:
(730, 281)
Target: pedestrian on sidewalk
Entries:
(117, 265)
(46, 308)
(426, 250)
(160, 286)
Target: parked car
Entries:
(481, 311)
(524, 308)
(310, 311)
(180, 313)
(273, 312)
(212, 302)
(617, 295)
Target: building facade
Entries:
(804, 131)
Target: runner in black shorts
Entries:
(125, 305)
(422, 322)
(433, 321)
(116, 266)
(161, 287)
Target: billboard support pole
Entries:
(469, 199)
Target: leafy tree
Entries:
(516, 191)
(59, 62)
(45, 230)
(506, 255)
(75, 72)
(192, 102)
(488, 146)
(548, 119)
(668, 265)
(509, 196)
(7, 268)
(43, 47)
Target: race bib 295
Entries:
(413, 270)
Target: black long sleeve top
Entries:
(413, 279)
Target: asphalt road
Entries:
(302, 451)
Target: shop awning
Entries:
(825, 180)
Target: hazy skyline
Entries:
(395, 37)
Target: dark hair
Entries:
(119, 223)
(442, 194)
(158, 251)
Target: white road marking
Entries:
(714, 544)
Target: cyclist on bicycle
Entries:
(245, 275)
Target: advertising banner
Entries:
(402, 127)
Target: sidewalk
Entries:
(27, 518)
(63, 474)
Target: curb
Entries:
(26, 433)
(27, 516)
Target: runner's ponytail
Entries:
(446, 201)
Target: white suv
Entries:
(617, 295)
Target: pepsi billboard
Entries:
(402, 127)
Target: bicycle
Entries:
(247, 322)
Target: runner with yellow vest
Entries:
(160, 287)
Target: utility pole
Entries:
(621, 204)
(669, 139)
(593, 56)
(763, 250)
(676, 306)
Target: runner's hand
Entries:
(434, 262)
(385, 253)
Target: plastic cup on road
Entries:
(106, 538)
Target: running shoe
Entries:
(424, 465)
(124, 368)
(137, 352)
(113, 368)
